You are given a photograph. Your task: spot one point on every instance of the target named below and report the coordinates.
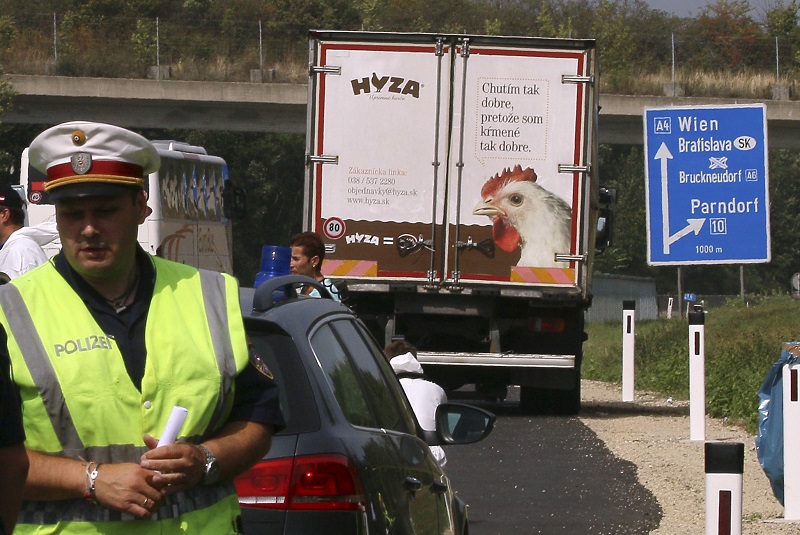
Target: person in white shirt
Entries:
(424, 395)
(20, 246)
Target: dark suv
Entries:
(352, 458)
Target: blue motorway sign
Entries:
(707, 185)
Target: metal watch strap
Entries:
(211, 470)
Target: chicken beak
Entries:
(484, 208)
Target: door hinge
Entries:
(325, 69)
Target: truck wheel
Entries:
(567, 402)
(534, 400)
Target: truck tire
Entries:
(549, 401)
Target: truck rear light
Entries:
(312, 482)
(547, 325)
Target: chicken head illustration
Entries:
(525, 215)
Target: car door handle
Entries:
(412, 484)
(437, 487)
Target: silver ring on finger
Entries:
(146, 502)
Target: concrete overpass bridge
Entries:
(272, 107)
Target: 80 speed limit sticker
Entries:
(333, 228)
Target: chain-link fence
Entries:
(230, 51)
(655, 63)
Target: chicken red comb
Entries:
(498, 181)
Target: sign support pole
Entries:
(741, 281)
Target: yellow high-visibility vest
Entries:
(78, 400)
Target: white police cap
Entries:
(85, 159)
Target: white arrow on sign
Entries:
(664, 154)
(694, 225)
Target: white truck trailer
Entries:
(453, 179)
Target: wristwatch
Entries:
(211, 473)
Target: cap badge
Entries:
(81, 162)
(78, 138)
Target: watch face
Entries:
(212, 467)
(212, 472)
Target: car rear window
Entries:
(352, 369)
(278, 351)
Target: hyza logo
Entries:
(367, 239)
(391, 84)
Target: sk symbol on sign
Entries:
(662, 125)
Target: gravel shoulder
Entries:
(653, 433)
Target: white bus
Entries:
(193, 201)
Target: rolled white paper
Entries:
(173, 427)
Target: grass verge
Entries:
(742, 342)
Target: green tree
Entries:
(293, 18)
(143, 42)
(615, 43)
(622, 167)
(7, 32)
(782, 25)
(452, 16)
(547, 26)
(725, 36)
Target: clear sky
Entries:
(689, 8)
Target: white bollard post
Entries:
(628, 346)
(697, 374)
(724, 471)
(791, 442)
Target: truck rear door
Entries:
(377, 154)
(518, 169)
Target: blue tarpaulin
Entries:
(769, 441)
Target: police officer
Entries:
(105, 340)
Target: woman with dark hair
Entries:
(308, 252)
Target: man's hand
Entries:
(125, 487)
(129, 488)
(181, 465)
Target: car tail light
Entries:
(547, 325)
(310, 482)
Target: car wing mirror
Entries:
(459, 423)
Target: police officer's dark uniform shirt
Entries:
(11, 430)
(256, 395)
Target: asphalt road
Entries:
(549, 475)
